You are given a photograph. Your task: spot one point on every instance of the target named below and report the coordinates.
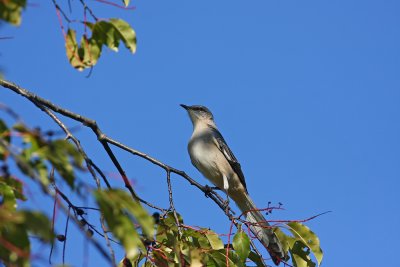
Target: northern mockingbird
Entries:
(211, 155)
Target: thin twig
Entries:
(171, 202)
(94, 241)
(61, 11)
(75, 209)
(86, 7)
(101, 174)
(87, 208)
(65, 235)
(52, 224)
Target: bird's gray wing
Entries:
(224, 148)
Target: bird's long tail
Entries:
(262, 229)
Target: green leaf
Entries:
(170, 221)
(215, 242)
(57, 153)
(104, 33)
(17, 237)
(126, 33)
(118, 208)
(10, 11)
(256, 259)
(198, 237)
(161, 234)
(71, 47)
(308, 237)
(76, 157)
(286, 241)
(40, 167)
(241, 244)
(219, 258)
(110, 33)
(38, 224)
(6, 137)
(14, 228)
(84, 55)
(16, 186)
(89, 51)
(8, 197)
(30, 161)
(64, 156)
(301, 255)
(21, 128)
(196, 258)
(61, 154)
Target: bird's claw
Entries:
(225, 205)
(208, 189)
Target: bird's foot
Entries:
(225, 205)
(208, 189)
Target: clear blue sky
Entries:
(306, 93)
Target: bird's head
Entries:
(199, 114)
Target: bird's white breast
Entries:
(204, 156)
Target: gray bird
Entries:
(211, 155)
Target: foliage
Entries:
(190, 246)
(301, 244)
(86, 52)
(39, 153)
(120, 210)
(10, 11)
(15, 224)
(183, 245)
(148, 240)
(104, 33)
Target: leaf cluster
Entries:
(153, 241)
(10, 11)
(104, 33)
(33, 160)
(86, 52)
(166, 241)
(40, 155)
(301, 243)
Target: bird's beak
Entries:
(185, 107)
